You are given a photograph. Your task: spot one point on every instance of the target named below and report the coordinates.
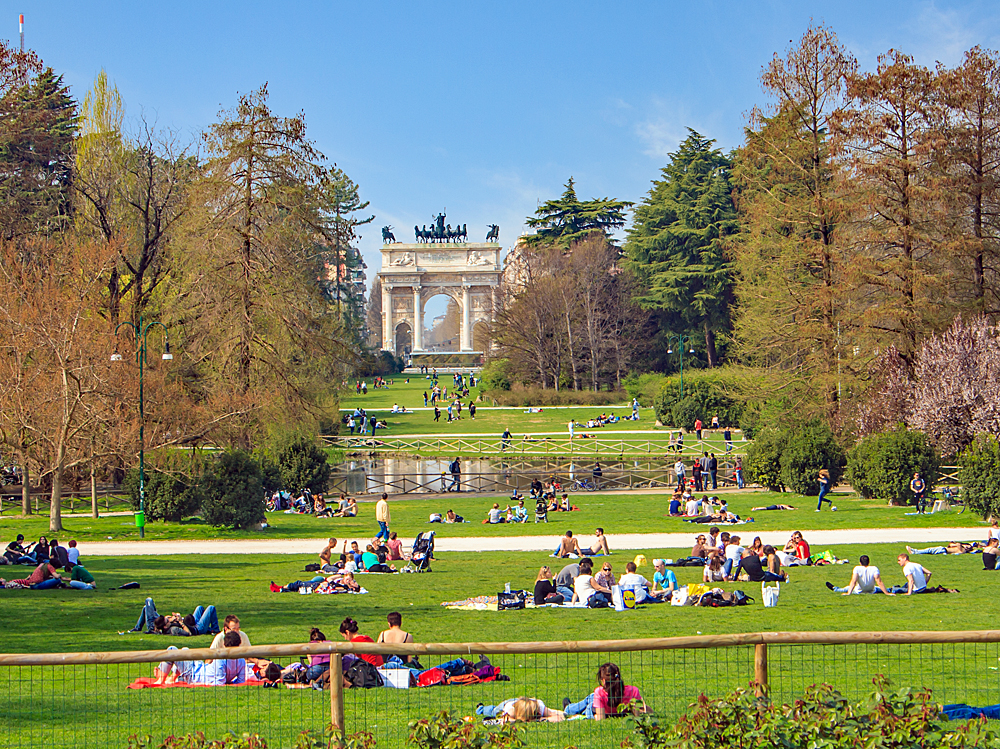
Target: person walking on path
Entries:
(383, 517)
(824, 488)
(570, 426)
(456, 475)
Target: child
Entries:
(608, 699)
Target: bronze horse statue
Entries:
(387, 235)
(494, 233)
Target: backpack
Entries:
(742, 599)
(312, 567)
(363, 675)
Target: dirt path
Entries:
(817, 539)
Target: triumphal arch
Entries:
(441, 261)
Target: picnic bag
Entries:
(312, 567)
(770, 595)
(432, 677)
(622, 598)
(680, 596)
(741, 599)
(508, 601)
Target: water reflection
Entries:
(409, 474)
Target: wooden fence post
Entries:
(760, 667)
(337, 695)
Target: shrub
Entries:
(704, 397)
(495, 375)
(519, 395)
(979, 474)
(903, 719)
(233, 493)
(880, 465)
(168, 496)
(445, 732)
(763, 462)
(301, 464)
(807, 450)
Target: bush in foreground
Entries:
(904, 719)
(881, 465)
(979, 474)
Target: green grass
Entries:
(617, 513)
(90, 707)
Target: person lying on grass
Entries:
(953, 547)
(610, 699)
(865, 578)
(771, 507)
(520, 710)
(339, 583)
(45, 576)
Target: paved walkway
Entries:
(817, 539)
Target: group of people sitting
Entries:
(577, 583)
(726, 559)
(705, 510)
(48, 558)
(570, 546)
(516, 514)
(308, 503)
(866, 578)
(611, 698)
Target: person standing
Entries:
(472, 410)
(598, 474)
(713, 471)
(505, 439)
(437, 414)
(824, 487)
(570, 426)
(382, 517)
(696, 475)
(919, 488)
(697, 429)
(425, 399)
(679, 471)
(635, 409)
(456, 475)
(727, 435)
(738, 469)
(351, 424)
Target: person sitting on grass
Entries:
(81, 579)
(324, 555)
(495, 515)
(230, 624)
(372, 563)
(520, 710)
(348, 507)
(865, 578)
(45, 576)
(713, 572)
(750, 563)
(990, 555)
(395, 635)
(639, 585)
(606, 577)
(587, 590)
(568, 546)
(545, 591)
(676, 505)
(771, 507)
(664, 580)
(565, 578)
(916, 576)
(520, 512)
(395, 547)
(609, 699)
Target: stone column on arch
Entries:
(466, 316)
(418, 321)
(388, 339)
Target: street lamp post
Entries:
(681, 342)
(141, 333)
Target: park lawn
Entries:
(616, 513)
(102, 712)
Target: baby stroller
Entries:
(422, 554)
(541, 510)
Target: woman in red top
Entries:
(801, 547)
(349, 629)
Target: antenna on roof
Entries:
(20, 20)
(24, 68)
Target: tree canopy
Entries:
(568, 219)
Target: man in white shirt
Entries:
(916, 576)
(864, 579)
(641, 586)
(691, 506)
(232, 624)
(734, 552)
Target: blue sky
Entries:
(483, 109)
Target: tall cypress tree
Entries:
(36, 157)
(675, 244)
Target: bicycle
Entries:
(952, 495)
(584, 485)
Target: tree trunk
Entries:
(93, 492)
(25, 486)
(710, 346)
(55, 507)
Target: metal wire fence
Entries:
(84, 700)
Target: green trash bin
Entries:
(140, 520)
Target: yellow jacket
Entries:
(382, 511)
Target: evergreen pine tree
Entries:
(567, 220)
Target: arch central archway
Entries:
(404, 340)
(415, 276)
